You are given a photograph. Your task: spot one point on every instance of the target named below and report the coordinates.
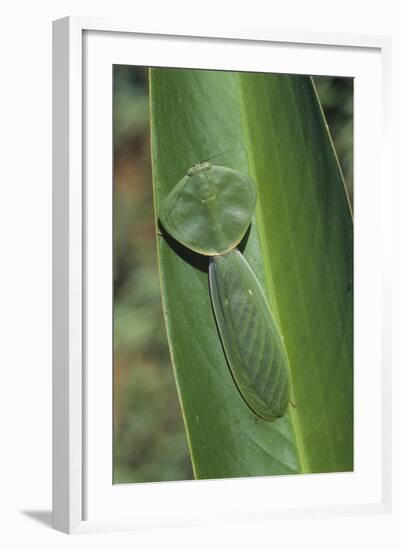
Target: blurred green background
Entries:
(149, 436)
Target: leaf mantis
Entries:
(209, 211)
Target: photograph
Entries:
(233, 299)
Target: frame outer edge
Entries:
(67, 275)
(387, 362)
(68, 411)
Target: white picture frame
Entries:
(84, 498)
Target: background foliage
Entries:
(149, 437)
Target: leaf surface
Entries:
(299, 246)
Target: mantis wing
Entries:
(251, 338)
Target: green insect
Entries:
(209, 211)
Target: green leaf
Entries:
(271, 128)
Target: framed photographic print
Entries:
(219, 341)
